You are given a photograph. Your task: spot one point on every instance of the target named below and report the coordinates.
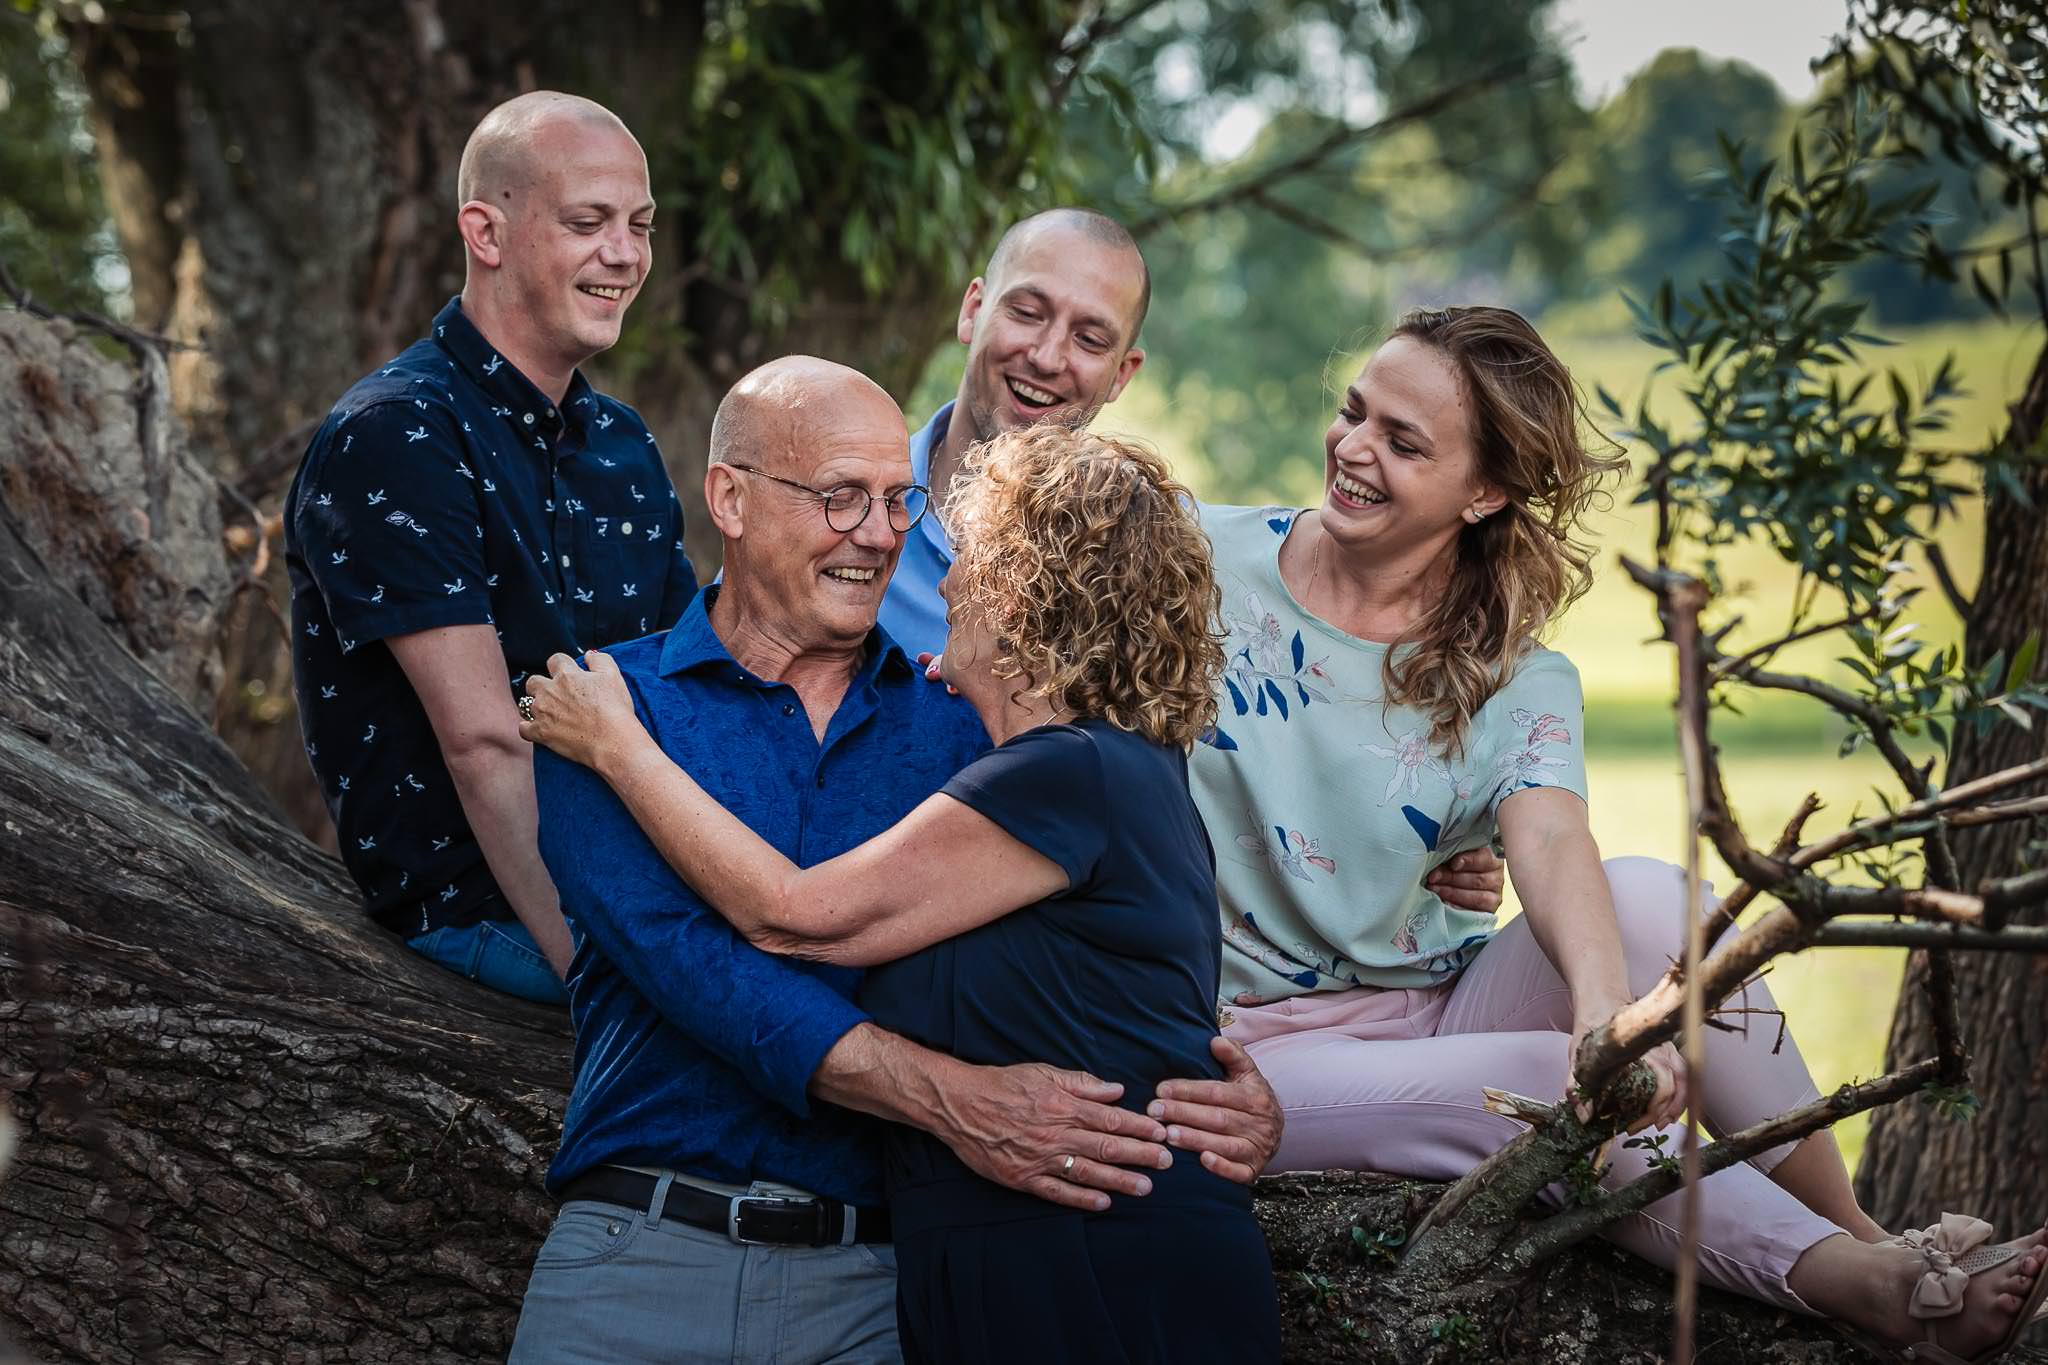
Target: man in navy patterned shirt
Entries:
(467, 510)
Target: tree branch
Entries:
(1075, 51)
(1345, 136)
(139, 342)
(1891, 934)
(1465, 1229)
(1553, 1235)
(1936, 560)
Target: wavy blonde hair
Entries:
(1085, 558)
(1518, 569)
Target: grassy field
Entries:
(1838, 1003)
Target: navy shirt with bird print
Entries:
(445, 489)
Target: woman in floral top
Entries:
(1386, 707)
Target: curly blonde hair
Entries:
(1085, 558)
(1518, 569)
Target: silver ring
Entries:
(1068, 1168)
(526, 708)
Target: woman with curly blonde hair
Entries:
(1386, 706)
(1054, 902)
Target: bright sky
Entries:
(1611, 40)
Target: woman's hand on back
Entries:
(1234, 1124)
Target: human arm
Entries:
(386, 521)
(1015, 1125)
(793, 1037)
(940, 871)
(1564, 892)
(458, 673)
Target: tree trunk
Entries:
(282, 179)
(1918, 1163)
(254, 1129)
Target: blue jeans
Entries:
(612, 1286)
(499, 954)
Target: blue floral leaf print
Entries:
(1279, 698)
(1428, 829)
(1260, 697)
(1278, 525)
(1307, 978)
(1298, 651)
(1237, 698)
(1304, 693)
(1215, 738)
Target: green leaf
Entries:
(2022, 669)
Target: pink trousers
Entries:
(1389, 1080)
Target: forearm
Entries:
(738, 872)
(881, 1073)
(1054, 1134)
(1564, 892)
(494, 782)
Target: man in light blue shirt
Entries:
(1051, 330)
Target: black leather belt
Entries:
(749, 1219)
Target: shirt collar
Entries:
(500, 380)
(692, 644)
(927, 439)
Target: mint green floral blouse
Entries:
(1327, 807)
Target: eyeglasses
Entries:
(848, 505)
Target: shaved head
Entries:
(792, 579)
(779, 411)
(1099, 228)
(499, 162)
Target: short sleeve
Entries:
(1044, 789)
(388, 524)
(1536, 730)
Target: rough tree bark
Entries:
(254, 1129)
(282, 179)
(1917, 1162)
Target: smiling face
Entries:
(801, 581)
(1050, 334)
(574, 241)
(1401, 474)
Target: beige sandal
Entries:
(1956, 1252)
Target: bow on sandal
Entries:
(1955, 1251)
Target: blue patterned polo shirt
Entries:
(445, 489)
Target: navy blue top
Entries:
(443, 490)
(693, 1048)
(1116, 975)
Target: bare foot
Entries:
(1991, 1301)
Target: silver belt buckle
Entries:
(732, 1216)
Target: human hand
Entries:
(1669, 1101)
(580, 713)
(1234, 1123)
(931, 664)
(1473, 880)
(1666, 1065)
(1052, 1133)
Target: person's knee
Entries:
(1649, 905)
